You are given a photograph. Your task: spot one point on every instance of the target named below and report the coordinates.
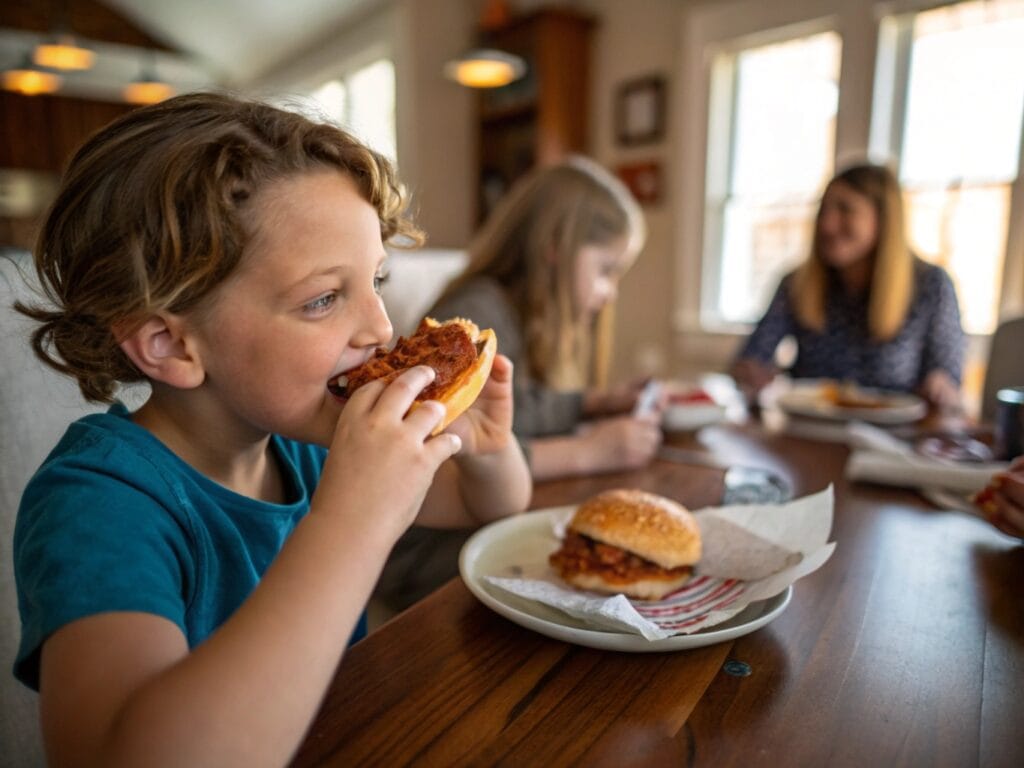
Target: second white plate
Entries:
(805, 398)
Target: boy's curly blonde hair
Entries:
(151, 213)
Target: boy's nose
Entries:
(376, 328)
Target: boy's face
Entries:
(302, 307)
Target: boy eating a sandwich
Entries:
(189, 573)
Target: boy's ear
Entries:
(161, 348)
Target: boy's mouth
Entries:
(338, 387)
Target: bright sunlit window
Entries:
(363, 102)
(960, 142)
(771, 151)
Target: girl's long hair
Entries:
(892, 283)
(530, 244)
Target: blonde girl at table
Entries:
(543, 272)
(862, 307)
(189, 573)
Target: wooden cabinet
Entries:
(542, 116)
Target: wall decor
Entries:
(644, 180)
(640, 111)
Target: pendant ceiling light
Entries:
(63, 52)
(147, 88)
(29, 80)
(485, 68)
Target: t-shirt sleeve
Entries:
(86, 544)
(773, 326)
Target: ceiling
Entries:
(192, 42)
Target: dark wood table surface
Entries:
(906, 648)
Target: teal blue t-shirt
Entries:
(114, 521)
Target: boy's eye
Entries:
(320, 304)
(379, 279)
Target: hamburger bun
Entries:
(631, 542)
(459, 352)
(466, 388)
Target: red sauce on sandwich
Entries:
(447, 349)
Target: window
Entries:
(958, 138)
(771, 150)
(363, 102)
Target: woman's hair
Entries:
(152, 216)
(529, 245)
(892, 279)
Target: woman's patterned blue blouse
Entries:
(931, 337)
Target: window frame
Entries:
(721, 156)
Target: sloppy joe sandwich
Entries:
(630, 542)
(458, 351)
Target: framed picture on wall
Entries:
(640, 111)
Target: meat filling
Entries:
(447, 349)
(581, 554)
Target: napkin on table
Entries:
(879, 457)
(750, 553)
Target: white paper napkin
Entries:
(879, 457)
(750, 553)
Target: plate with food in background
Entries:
(846, 401)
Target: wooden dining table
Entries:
(906, 648)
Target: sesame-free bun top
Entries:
(651, 526)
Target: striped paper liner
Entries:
(692, 603)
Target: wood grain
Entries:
(906, 648)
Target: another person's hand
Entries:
(751, 377)
(939, 389)
(486, 427)
(623, 442)
(1002, 500)
(617, 400)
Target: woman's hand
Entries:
(486, 426)
(939, 389)
(1002, 501)
(751, 377)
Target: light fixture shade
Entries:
(485, 68)
(147, 92)
(30, 82)
(63, 53)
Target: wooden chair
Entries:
(1005, 364)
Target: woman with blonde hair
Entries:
(543, 272)
(862, 307)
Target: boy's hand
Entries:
(382, 461)
(487, 426)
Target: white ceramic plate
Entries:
(507, 546)
(805, 398)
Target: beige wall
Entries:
(635, 39)
(436, 134)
